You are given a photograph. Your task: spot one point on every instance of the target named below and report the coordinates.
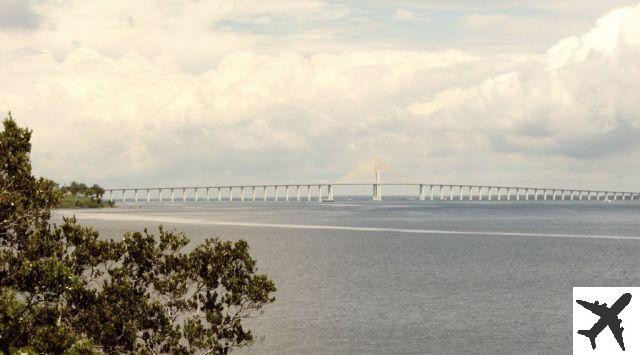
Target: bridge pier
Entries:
(320, 193)
(195, 194)
(377, 192)
(330, 192)
(264, 190)
(184, 195)
(286, 193)
(421, 192)
(298, 193)
(275, 192)
(242, 194)
(230, 193)
(253, 193)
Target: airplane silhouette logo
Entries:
(608, 318)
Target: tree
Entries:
(67, 289)
(97, 191)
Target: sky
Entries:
(170, 93)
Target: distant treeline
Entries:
(78, 194)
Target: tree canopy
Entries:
(66, 289)
(80, 188)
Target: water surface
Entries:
(408, 277)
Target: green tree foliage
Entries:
(76, 188)
(65, 289)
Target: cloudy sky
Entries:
(127, 93)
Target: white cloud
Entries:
(576, 108)
(404, 15)
(115, 99)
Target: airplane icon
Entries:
(608, 317)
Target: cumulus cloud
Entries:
(575, 107)
(18, 15)
(168, 97)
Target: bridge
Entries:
(316, 192)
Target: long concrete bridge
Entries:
(317, 192)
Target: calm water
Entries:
(409, 277)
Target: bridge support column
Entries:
(159, 195)
(219, 194)
(460, 191)
(230, 193)
(195, 194)
(421, 192)
(253, 193)
(319, 193)
(110, 195)
(377, 192)
(450, 192)
(173, 195)
(298, 193)
(135, 199)
(441, 192)
(208, 190)
(275, 193)
(330, 192)
(184, 195)
(124, 195)
(431, 192)
(489, 193)
(264, 190)
(242, 194)
(308, 193)
(499, 193)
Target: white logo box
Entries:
(584, 319)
